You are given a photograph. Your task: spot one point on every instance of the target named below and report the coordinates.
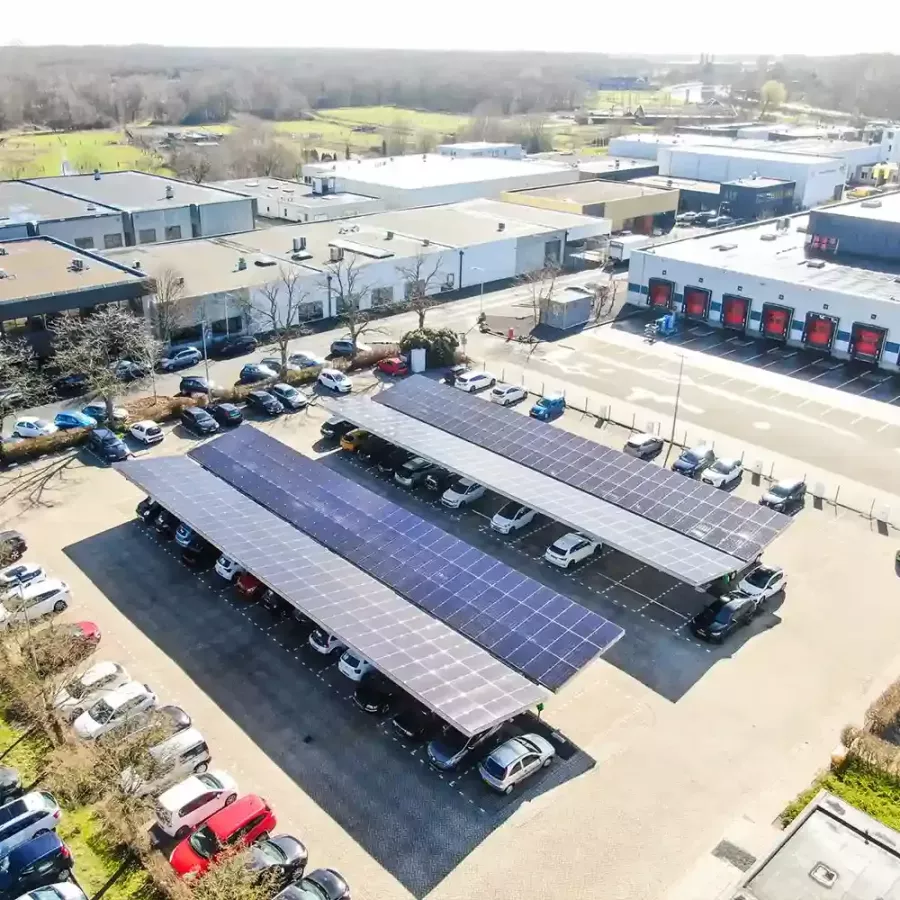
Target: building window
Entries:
(111, 241)
(173, 233)
(308, 311)
(231, 325)
(383, 296)
(823, 244)
(413, 287)
(147, 236)
(85, 243)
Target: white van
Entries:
(172, 760)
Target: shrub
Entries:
(884, 711)
(32, 448)
(440, 345)
(159, 409)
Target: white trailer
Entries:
(621, 248)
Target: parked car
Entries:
(192, 801)
(33, 601)
(548, 408)
(450, 376)
(12, 545)
(388, 463)
(393, 365)
(704, 216)
(353, 666)
(686, 218)
(281, 859)
(306, 360)
(721, 222)
(515, 760)
(183, 358)
(21, 573)
(226, 414)
(127, 370)
(228, 568)
(507, 394)
(416, 722)
(199, 554)
(275, 603)
(233, 345)
(570, 549)
(274, 363)
(470, 382)
(166, 524)
(42, 861)
(344, 347)
(723, 616)
(22, 819)
(198, 420)
(169, 719)
(449, 749)
(195, 384)
(643, 446)
(320, 884)
(335, 381)
(147, 432)
(184, 534)
(97, 410)
(254, 372)
(335, 428)
(32, 427)
(114, 710)
(353, 440)
(62, 644)
(375, 694)
(414, 471)
(692, 462)
(264, 402)
(249, 586)
(107, 445)
(511, 517)
(439, 480)
(461, 493)
(323, 642)
(246, 820)
(73, 385)
(10, 784)
(288, 396)
(785, 496)
(763, 582)
(722, 473)
(168, 762)
(374, 449)
(71, 418)
(147, 510)
(85, 689)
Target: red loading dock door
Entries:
(735, 311)
(867, 342)
(696, 303)
(660, 293)
(819, 331)
(776, 321)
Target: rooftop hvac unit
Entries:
(4, 251)
(3, 274)
(136, 264)
(335, 254)
(768, 237)
(242, 264)
(96, 174)
(77, 265)
(91, 207)
(389, 236)
(815, 264)
(870, 204)
(170, 192)
(298, 244)
(426, 242)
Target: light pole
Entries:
(675, 411)
(203, 328)
(481, 297)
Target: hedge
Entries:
(159, 409)
(32, 448)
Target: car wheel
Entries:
(59, 606)
(230, 799)
(182, 833)
(493, 382)
(200, 768)
(508, 789)
(546, 763)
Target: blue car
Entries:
(184, 535)
(548, 408)
(73, 419)
(42, 861)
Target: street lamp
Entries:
(675, 411)
(481, 298)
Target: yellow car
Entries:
(353, 440)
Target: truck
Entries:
(620, 248)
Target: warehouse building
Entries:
(647, 145)
(295, 201)
(854, 154)
(693, 195)
(609, 168)
(749, 199)
(482, 150)
(154, 208)
(403, 182)
(827, 280)
(628, 206)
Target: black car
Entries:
(321, 884)
(375, 693)
(439, 480)
(234, 345)
(417, 723)
(12, 546)
(198, 420)
(265, 403)
(71, 385)
(784, 496)
(107, 445)
(194, 384)
(393, 460)
(10, 784)
(42, 861)
(335, 428)
(723, 617)
(414, 471)
(450, 376)
(147, 510)
(289, 397)
(374, 448)
(166, 524)
(275, 604)
(199, 554)
(251, 373)
(692, 462)
(226, 413)
(282, 858)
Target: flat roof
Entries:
(751, 153)
(41, 266)
(602, 164)
(594, 191)
(683, 184)
(132, 191)
(21, 202)
(295, 192)
(481, 145)
(810, 146)
(878, 207)
(759, 181)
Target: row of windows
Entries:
(148, 235)
(110, 242)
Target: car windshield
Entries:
(691, 456)
(723, 466)
(544, 402)
(352, 661)
(308, 890)
(509, 510)
(75, 688)
(494, 769)
(781, 489)
(560, 547)
(204, 843)
(271, 853)
(101, 712)
(759, 578)
(725, 614)
(451, 742)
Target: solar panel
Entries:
(698, 510)
(462, 683)
(658, 547)
(534, 629)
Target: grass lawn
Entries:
(319, 133)
(26, 756)
(647, 99)
(441, 123)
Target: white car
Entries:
(120, 705)
(306, 360)
(62, 890)
(25, 818)
(474, 381)
(461, 493)
(194, 800)
(514, 760)
(354, 666)
(21, 573)
(83, 690)
(506, 394)
(722, 472)
(28, 602)
(227, 568)
(511, 517)
(181, 359)
(147, 432)
(571, 548)
(325, 643)
(32, 426)
(335, 381)
(167, 763)
(763, 582)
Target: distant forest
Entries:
(83, 87)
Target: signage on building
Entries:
(867, 342)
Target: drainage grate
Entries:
(733, 854)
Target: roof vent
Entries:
(724, 246)
(298, 244)
(871, 204)
(251, 184)
(77, 265)
(264, 261)
(768, 237)
(91, 207)
(815, 264)
(170, 192)
(4, 251)
(96, 174)
(242, 264)
(426, 242)
(823, 875)
(501, 226)
(389, 236)
(3, 274)
(335, 254)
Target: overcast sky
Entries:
(645, 26)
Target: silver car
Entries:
(514, 760)
(22, 819)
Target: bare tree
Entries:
(279, 307)
(343, 279)
(541, 286)
(604, 299)
(421, 281)
(21, 383)
(230, 878)
(168, 310)
(95, 344)
(194, 163)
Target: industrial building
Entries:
(403, 182)
(854, 154)
(628, 206)
(828, 280)
(693, 195)
(295, 201)
(482, 150)
(609, 168)
(749, 199)
(456, 246)
(154, 208)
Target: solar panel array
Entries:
(462, 683)
(531, 627)
(713, 517)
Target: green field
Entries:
(388, 116)
(628, 99)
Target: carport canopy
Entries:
(661, 548)
(455, 678)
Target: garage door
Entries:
(867, 342)
(696, 303)
(660, 293)
(819, 331)
(735, 311)
(776, 321)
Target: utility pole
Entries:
(675, 412)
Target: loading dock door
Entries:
(819, 331)
(735, 311)
(776, 321)
(867, 342)
(660, 293)
(696, 303)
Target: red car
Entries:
(249, 587)
(244, 821)
(394, 366)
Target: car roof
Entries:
(637, 439)
(125, 692)
(176, 796)
(331, 372)
(509, 752)
(226, 820)
(27, 590)
(569, 540)
(728, 461)
(466, 482)
(788, 483)
(700, 449)
(105, 434)
(100, 670)
(178, 742)
(281, 386)
(35, 848)
(768, 570)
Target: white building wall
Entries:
(160, 219)
(491, 151)
(229, 217)
(95, 228)
(13, 232)
(890, 145)
(629, 146)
